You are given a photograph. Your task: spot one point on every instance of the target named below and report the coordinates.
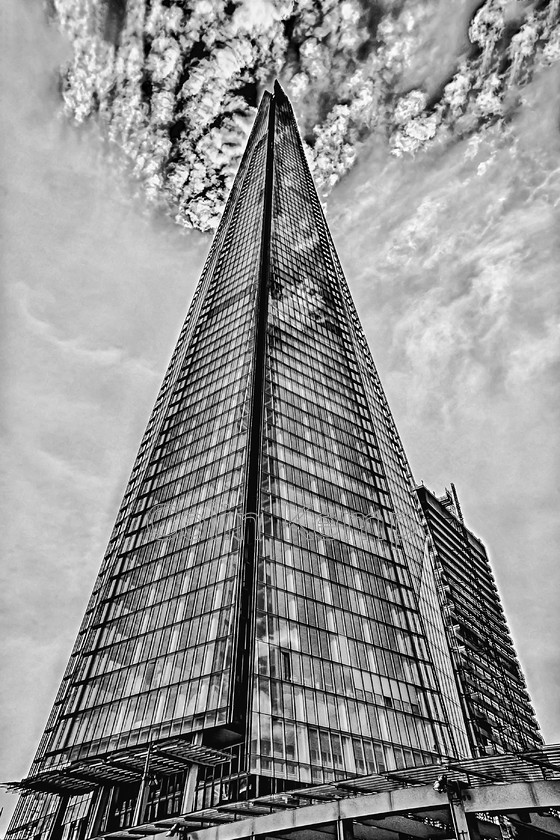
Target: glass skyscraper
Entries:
(266, 615)
(493, 692)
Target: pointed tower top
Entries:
(279, 92)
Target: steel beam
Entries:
(312, 816)
(465, 826)
(424, 800)
(400, 824)
(57, 827)
(519, 796)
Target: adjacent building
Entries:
(493, 692)
(267, 615)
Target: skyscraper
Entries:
(495, 700)
(266, 615)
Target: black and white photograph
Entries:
(280, 371)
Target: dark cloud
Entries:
(114, 17)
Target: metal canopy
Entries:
(508, 769)
(535, 765)
(172, 756)
(418, 811)
(121, 767)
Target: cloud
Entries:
(177, 92)
(257, 16)
(26, 301)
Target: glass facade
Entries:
(344, 681)
(496, 703)
(160, 657)
(266, 612)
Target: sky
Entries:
(450, 241)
